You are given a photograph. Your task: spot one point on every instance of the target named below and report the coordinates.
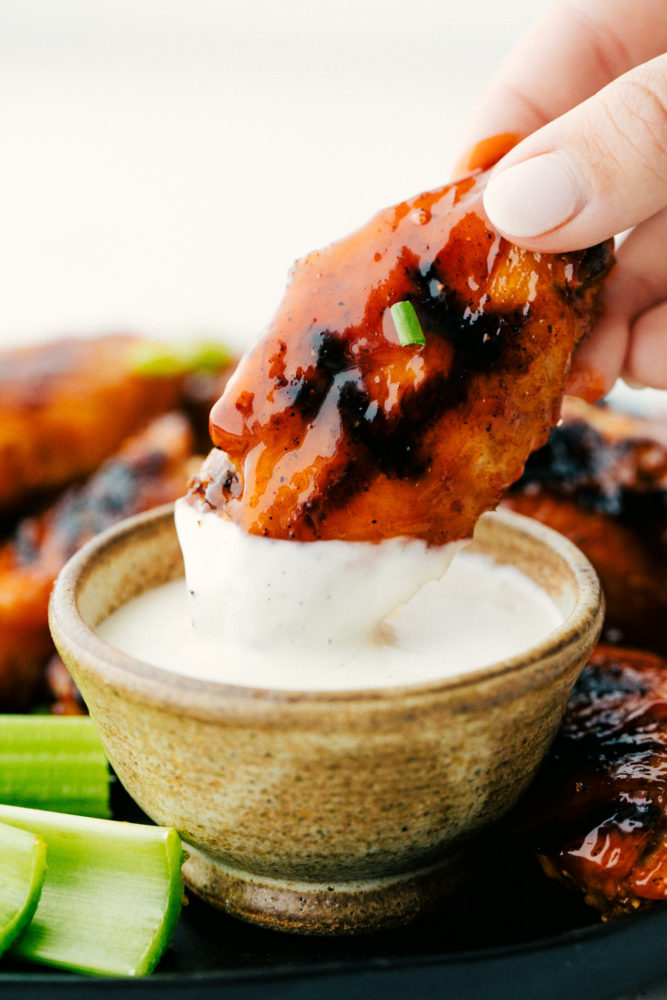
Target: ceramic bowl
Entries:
(323, 812)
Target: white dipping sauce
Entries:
(329, 615)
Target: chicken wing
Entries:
(150, 469)
(602, 481)
(333, 429)
(597, 815)
(68, 405)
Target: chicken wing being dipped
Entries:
(335, 429)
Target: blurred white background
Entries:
(164, 161)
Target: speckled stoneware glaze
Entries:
(310, 811)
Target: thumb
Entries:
(595, 171)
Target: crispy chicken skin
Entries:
(602, 481)
(149, 470)
(333, 430)
(68, 405)
(597, 814)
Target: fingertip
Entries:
(598, 361)
(646, 359)
(532, 198)
(486, 153)
(595, 171)
(587, 383)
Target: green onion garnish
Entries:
(157, 360)
(407, 325)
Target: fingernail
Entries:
(633, 383)
(533, 197)
(486, 153)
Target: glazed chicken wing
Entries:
(68, 405)
(150, 469)
(602, 481)
(597, 815)
(333, 429)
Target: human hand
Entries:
(588, 86)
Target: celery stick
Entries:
(22, 871)
(111, 897)
(53, 762)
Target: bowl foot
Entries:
(325, 908)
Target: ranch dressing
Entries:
(328, 615)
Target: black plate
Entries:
(510, 934)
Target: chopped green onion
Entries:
(22, 871)
(157, 360)
(111, 897)
(53, 762)
(407, 324)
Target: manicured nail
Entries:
(633, 383)
(533, 197)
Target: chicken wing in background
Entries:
(150, 469)
(602, 481)
(67, 405)
(597, 814)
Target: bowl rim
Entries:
(70, 629)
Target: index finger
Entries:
(570, 53)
